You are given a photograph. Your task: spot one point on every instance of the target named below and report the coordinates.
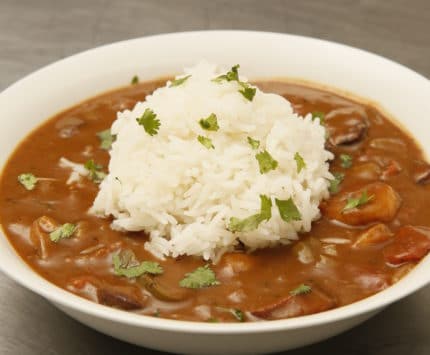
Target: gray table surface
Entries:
(34, 33)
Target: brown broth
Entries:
(259, 280)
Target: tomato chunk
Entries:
(410, 244)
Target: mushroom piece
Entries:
(121, 297)
(162, 291)
(346, 125)
(118, 296)
(410, 244)
(292, 305)
(381, 205)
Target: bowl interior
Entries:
(399, 91)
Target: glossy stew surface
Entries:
(351, 253)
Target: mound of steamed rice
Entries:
(184, 194)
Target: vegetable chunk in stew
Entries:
(373, 229)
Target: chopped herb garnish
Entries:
(245, 225)
(252, 222)
(334, 184)
(266, 162)
(213, 320)
(95, 172)
(288, 210)
(238, 314)
(203, 276)
(247, 91)
(125, 264)
(320, 115)
(149, 122)
(255, 144)
(64, 231)
(345, 161)
(209, 123)
(301, 290)
(135, 80)
(231, 75)
(354, 202)
(28, 180)
(299, 162)
(206, 142)
(179, 81)
(106, 139)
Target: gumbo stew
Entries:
(372, 232)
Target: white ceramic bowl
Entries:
(23, 106)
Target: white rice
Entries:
(184, 194)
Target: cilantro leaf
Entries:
(209, 123)
(248, 92)
(106, 139)
(203, 276)
(255, 144)
(64, 231)
(252, 222)
(320, 115)
(125, 264)
(354, 202)
(334, 184)
(345, 161)
(299, 161)
(245, 225)
(149, 122)
(95, 172)
(232, 75)
(288, 210)
(238, 314)
(301, 290)
(266, 162)
(265, 207)
(28, 180)
(206, 142)
(134, 80)
(179, 81)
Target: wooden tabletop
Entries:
(36, 33)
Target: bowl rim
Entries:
(59, 296)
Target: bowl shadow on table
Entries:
(46, 330)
